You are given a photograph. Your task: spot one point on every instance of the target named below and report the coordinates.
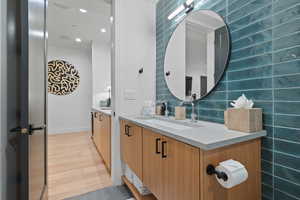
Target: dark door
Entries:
(26, 100)
(221, 51)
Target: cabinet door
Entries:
(102, 136)
(131, 144)
(152, 162)
(180, 170)
(96, 136)
(105, 140)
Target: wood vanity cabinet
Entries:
(170, 168)
(96, 134)
(102, 137)
(174, 170)
(131, 146)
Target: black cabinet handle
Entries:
(163, 155)
(100, 117)
(156, 146)
(127, 130)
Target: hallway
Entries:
(74, 166)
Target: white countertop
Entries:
(102, 110)
(205, 135)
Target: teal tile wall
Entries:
(264, 65)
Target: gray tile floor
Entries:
(109, 193)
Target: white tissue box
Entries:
(244, 120)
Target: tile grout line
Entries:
(273, 97)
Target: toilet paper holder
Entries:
(211, 170)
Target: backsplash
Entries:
(265, 66)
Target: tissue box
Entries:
(244, 120)
(180, 113)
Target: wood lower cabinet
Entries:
(248, 153)
(131, 147)
(180, 170)
(152, 162)
(102, 137)
(170, 168)
(105, 140)
(173, 170)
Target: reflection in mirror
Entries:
(196, 55)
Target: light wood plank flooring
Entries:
(74, 166)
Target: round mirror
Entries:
(196, 55)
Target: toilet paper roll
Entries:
(236, 172)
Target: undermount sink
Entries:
(168, 124)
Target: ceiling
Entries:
(205, 20)
(65, 22)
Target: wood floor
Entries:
(74, 166)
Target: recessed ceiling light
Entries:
(111, 19)
(83, 10)
(78, 40)
(103, 30)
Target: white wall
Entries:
(134, 47)
(175, 62)
(210, 60)
(71, 113)
(196, 54)
(101, 60)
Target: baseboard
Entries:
(68, 130)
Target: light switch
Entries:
(130, 95)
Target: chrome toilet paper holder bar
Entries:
(211, 170)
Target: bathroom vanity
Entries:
(171, 157)
(102, 134)
(177, 160)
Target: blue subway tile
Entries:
(292, 135)
(287, 187)
(259, 95)
(267, 192)
(287, 55)
(264, 44)
(244, 21)
(252, 51)
(267, 155)
(267, 178)
(287, 147)
(288, 174)
(287, 160)
(267, 143)
(292, 108)
(250, 84)
(287, 81)
(292, 94)
(253, 39)
(279, 195)
(287, 41)
(287, 120)
(279, 5)
(290, 14)
(252, 29)
(250, 62)
(267, 166)
(247, 8)
(287, 28)
(260, 72)
(291, 67)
